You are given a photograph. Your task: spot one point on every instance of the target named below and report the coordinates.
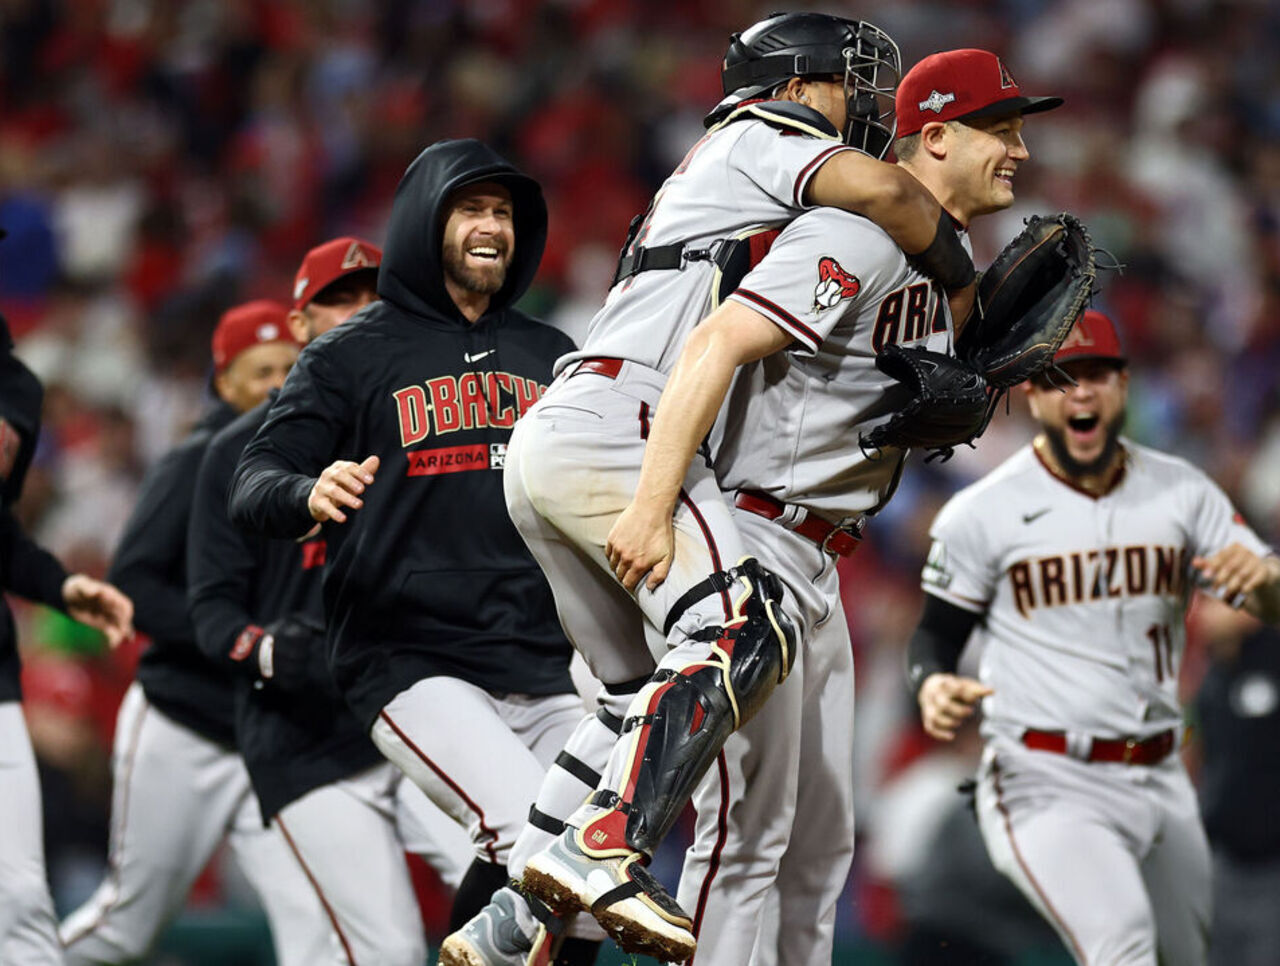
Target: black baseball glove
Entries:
(949, 402)
(1029, 299)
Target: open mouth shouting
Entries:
(1085, 430)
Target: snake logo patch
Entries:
(834, 284)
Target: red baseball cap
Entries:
(1095, 336)
(325, 264)
(250, 324)
(960, 85)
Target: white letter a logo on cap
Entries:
(356, 257)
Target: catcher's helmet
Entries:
(788, 45)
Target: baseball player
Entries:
(392, 434)
(771, 151)
(1072, 565)
(28, 930)
(256, 606)
(832, 294)
(180, 786)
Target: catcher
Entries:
(832, 336)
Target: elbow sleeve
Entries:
(938, 641)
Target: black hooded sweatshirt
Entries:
(429, 577)
(151, 567)
(26, 569)
(291, 741)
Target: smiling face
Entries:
(479, 241)
(1080, 424)
(990, 151)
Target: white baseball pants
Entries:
(28, 930)
(1114, 856)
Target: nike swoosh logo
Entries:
(1033, 517)
(478, 356)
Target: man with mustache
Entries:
(1072, 566)
(392, 434)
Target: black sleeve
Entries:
(27, 569)
(938, 641)
(269, 490)
(222, 561)
(150, 562)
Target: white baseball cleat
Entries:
(495, 937)
(632, 906)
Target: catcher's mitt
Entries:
(1029, 299)
(949, 402)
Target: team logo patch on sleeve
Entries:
(935, 572)
(834, 284)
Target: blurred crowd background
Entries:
(162, 160)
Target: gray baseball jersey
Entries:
(843, 289)
(747, 173)
(574, 459)
(1084, 599)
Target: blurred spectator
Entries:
(1238, 711)
(160, 162)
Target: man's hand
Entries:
(641, 542)
(99, 605)
(946, 701)
(1241, 578)
(339, 486)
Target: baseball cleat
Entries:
(628, 902)
(494, 937)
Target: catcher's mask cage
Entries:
(788, 45)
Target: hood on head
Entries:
(412, 270)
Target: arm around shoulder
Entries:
(895, 200)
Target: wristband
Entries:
(945, 260)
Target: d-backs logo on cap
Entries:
(300, 286)
(356, 257)
(1078, 338)
(834, 284)
(268, 332)
(936, 102)
(1006, 79)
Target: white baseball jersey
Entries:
(841, 286)
(744, 174)
(1084, 596)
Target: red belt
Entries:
(609, 368)
(829, 537)
(1130, 751)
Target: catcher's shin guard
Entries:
(686, 713)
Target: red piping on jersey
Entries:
(1022, 863)
(1116, 479)
(328, 909)
(493, 856)
(113, 859)
(722, 835)
(783, 316)
(803, 177)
